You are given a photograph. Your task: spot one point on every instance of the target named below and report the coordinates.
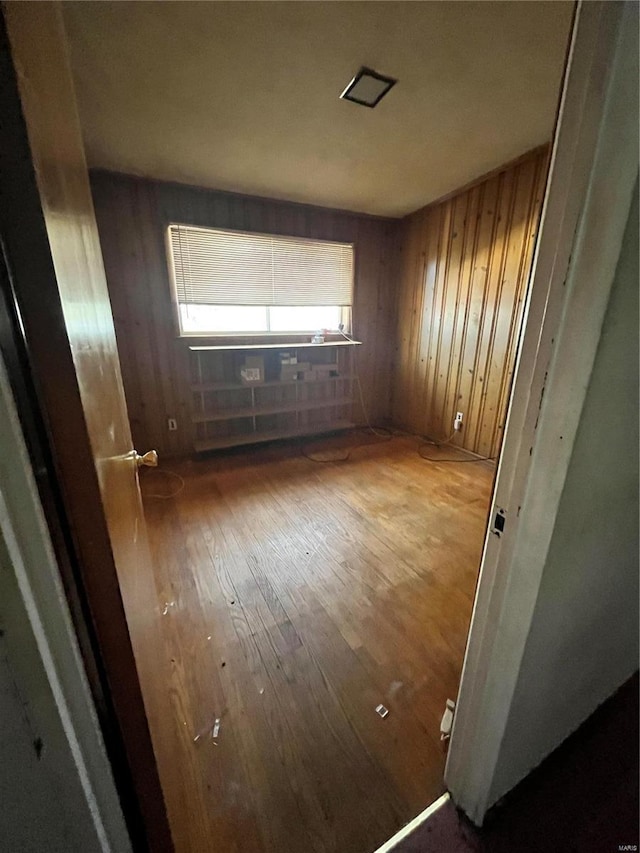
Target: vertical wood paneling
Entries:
(132, 215)
(463, 267)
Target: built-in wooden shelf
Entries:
(272, 435)
(275, 409)
(272, 408)
(238, 347)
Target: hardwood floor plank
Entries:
(293, 598)
(256, 639)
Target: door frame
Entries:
(76, 516)
(593, 169)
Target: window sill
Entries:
(249, 340)
(208, 347)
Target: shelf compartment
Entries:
(202, 387)
(275, 409)
(223, 442)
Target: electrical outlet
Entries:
(172, 423)
(457, 424)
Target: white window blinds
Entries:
(218, 267)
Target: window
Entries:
(232, 282)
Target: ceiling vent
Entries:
(368, 88)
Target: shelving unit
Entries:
(227, 412)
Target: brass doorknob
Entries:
(150, 459)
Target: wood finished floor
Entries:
(300, 596)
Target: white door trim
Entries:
(593, 170)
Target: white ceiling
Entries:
(243, 96)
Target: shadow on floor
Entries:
(582, 799)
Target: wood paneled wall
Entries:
(440, 318)
(132, 215)
(463, 268)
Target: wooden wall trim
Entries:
(132, 215)
(463, 269)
